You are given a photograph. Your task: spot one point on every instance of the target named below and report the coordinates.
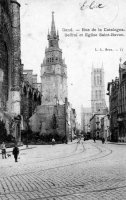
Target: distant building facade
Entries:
(85, 119)
(113, 89)
(72, 122)
(117, 105)
(95, 125)
(122, 103)
(105, 128)
(97, 90)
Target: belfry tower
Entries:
(98, 103)
(51, 114)
(53, 71)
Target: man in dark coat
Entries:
(15, 152)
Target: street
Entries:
(65, 171)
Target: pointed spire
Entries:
(53, 29)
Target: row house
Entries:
(70, 121)
(95, 125)
(73, 122)
(117, 105)
(105, 125)
(122, 103)
(113, 90)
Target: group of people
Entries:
(15, 151)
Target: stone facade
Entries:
(97, 90)
(85, 119)
(53, 88)
(73, 122)
(95, 125)
(105, 131)
(122, 103)
(10, 60)
(113, 89)
(30, 96)
(53, 71)
(117, 105)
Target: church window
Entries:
(56, 58)
(52, 59)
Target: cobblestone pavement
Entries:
(67, 171)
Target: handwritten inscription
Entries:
(92, 5)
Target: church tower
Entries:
(97, 90)
(53, 71)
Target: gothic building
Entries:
(10, 62)
(97, 90)
(52, 115)
(18, 97)
(53, 71)
(54, 83)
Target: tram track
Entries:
(66, 190)
(94, 157)
(56, 192)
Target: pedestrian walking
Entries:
(16, 152)
(53, 141)
(94, 139)
(3, 150)
(103, 140)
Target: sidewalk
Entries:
(117, 143)
(21, 148)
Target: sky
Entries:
(80, 51)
